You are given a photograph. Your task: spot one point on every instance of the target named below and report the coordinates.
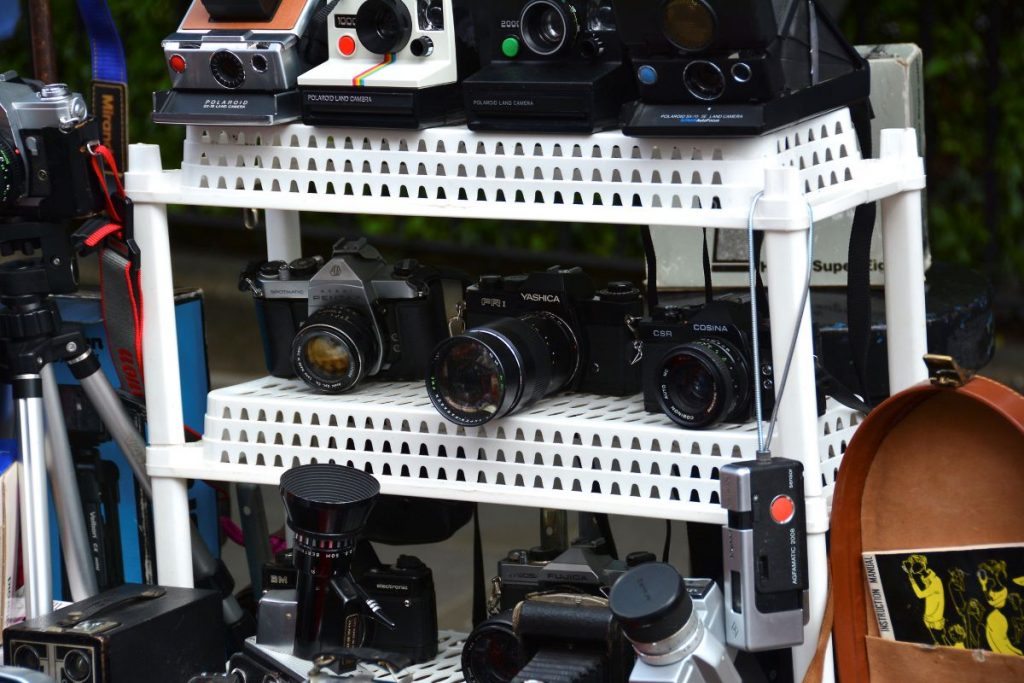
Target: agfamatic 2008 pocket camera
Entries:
(552, 65)
(236, 62)
(392, 64)
(734, 67)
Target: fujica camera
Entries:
(392, 64)
(551, 65)
(236, 62)
(734, 67)
(355, 316)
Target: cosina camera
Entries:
(697, 364)
(735, 67)
(355, 316)
(45, 172)
(392, 64)
(531, 336)
(551, 65)
(237, 62)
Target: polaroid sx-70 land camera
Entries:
(392, 64)
(236, 62)
(734, 67)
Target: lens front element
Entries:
(689, 24)
(548, 26)
(227, 69)
(473, 379)
(703, 383)
(704, 80)
(334, 350)
(383, 26)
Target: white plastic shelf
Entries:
(455, 172)
(594, 453)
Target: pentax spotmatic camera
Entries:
(734, 67)
(45, 171)
(236, 62)
(393, 64)
(531, 336)
(551, 65)
(697, 364)
(333, 324)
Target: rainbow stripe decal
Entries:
(360, 80)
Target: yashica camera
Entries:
(735, 67)
(333, 324)
(392, 64)
(45, 169)
(551, 65)
(236, 62)
(697, 364)
(531, 336)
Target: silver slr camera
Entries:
(676, 625)
(237, 62)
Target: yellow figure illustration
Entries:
(992, 579)
(971, 612)
(956, 636)
(1016, 603)
(928, 587)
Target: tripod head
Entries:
(49, 265)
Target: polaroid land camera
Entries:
(552, 65)
(236, 62)
(735, 67)
(392, 64)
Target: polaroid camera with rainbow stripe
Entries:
(392, 64)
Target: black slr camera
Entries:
(531, 336)
(45, 169)
(355, 316)
(551, 65)
(698, 364)
(735, 67)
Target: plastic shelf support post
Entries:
(903, 249)
(284, 237)
(160, 364)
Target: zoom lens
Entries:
(383, 26)
(77, 666)
(494, 370)
(548, 26)
(689, 24)
(227, 69)
(334, 350)
(704, 80)
(703, 382)
(491, 652)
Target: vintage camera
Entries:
(697, 364)
(531, 336)
(236, 62)
(393, 64)
(735, 67)
(45, 170)
(553, 637)
(405, 591)
(130, 633)
(355, 316)
(676, 625)
(551, 65)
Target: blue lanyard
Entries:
(108, 63)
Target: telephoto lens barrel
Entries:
(327, 507)
(504, 366)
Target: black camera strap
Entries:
(858, 285)
(651, 261)
(109, 78)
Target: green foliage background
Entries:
(961, 39)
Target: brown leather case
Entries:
(932, 467)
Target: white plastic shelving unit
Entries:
(574, 451)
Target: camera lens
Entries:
(703, 383)
(27, 657)
(227, 69)
(548, 26)
(704, 80)
(77, 666)
(491, 652)
(334, 349)
(493, 370)
(383, 26)
(689, 24)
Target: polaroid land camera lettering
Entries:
(236, 62)
(392, 64)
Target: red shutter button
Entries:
(177, 63)
(347, 45)
(783, 509)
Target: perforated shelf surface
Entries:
(593, 453)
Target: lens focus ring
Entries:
(227, 69)
(702, 383)
(383, 26)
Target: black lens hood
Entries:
(328, 501)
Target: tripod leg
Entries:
(74, 539)
(254, 531)
(35, 518)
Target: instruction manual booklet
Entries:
(968, 598)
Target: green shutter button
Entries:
(510, 47)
